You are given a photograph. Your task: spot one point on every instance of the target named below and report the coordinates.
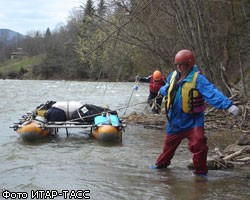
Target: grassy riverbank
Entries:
(16, 68)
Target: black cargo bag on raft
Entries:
(55, 115)
(88, 112)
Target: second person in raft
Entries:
(156, 81)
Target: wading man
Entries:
(187, 90)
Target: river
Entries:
(83, 167)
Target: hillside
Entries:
(20, 68)
(7, 36)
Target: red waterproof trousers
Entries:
(197, 144)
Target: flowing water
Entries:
(79, 166)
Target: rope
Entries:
(109, 111)
(134, 88)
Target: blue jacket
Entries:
(180, 121)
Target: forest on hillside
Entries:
(119, 39)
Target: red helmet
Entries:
(185, 57)
(157, 75)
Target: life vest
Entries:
(154, 87)
(192, 101)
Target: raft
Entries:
(105, 126)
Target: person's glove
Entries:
(233, 110)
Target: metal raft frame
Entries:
(64, 124)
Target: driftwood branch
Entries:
(235, 154)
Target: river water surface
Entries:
(79, 163)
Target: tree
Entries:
(101, 10)
(89, 9)
(206, 27)
(48, 40)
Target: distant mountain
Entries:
(8, 36)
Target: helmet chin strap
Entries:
(185, 72)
